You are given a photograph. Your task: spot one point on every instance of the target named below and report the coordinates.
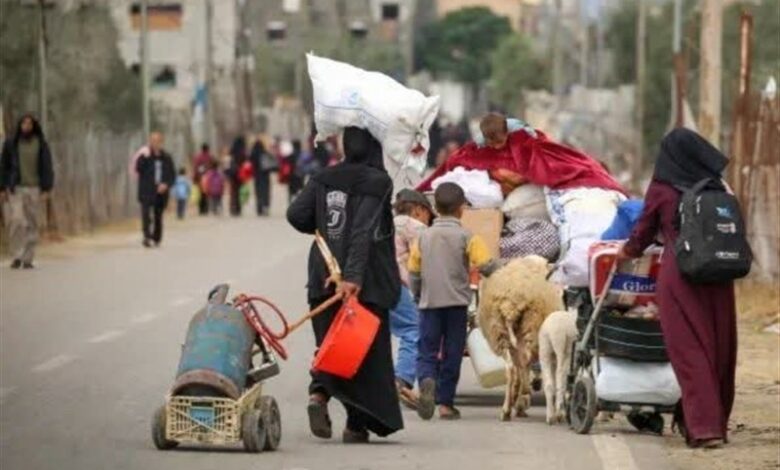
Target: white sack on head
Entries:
(479, 189)
(395, 115)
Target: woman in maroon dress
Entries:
(698, 320)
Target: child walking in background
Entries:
(213, 185)
(413, 215)
(181, 191)
(439, 266)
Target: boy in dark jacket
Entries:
(26, 177)
(156, 175)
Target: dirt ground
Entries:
(755, 422)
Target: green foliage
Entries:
(460, 44)
(621, 38)
(516, 67)
(369, 55)
(18, 54)
(277, 74)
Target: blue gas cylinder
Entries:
(217, 352)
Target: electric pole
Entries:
(584, 45)
(43, 94)
(558, 84)
(678, 78)
(145, 68)
(208, 110)
(710, 74)
(641, 39)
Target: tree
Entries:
(621, 38)
(515, 67)
(460, 44)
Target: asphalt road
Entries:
(89, 344)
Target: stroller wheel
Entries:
(582, 408)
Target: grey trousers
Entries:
(21, 212)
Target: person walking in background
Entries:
(237, 159)
(263, 164)
(26, 178)
(201, 165)
(156, 175)
(413, 215)
(295, 181)
(213, 186)
(698, 320)
(181, 191)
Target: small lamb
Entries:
(556, 342)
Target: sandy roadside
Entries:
(755, 422)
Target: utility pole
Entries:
(43, 94)
(679, 84)
(208, 110)
(641, 41)
(558, 84)
(599, 47)
(145, 68)
(710, 45)
(584, 45)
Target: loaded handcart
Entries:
(620, 362)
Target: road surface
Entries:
(89, 344)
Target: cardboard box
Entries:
(487, 223)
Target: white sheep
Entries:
(514, 303)
(556, 342)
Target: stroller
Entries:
(619, 362)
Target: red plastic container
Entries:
(348, 340)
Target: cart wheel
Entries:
(582, 409)
(272, 421)
(253, 431)
(158, 430)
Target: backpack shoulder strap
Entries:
(698, 187)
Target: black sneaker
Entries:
(27, 265)
(426, 405)
(17, 263)
(354, 437)
(147, 243)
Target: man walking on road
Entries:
(156, 175)
(26, 177)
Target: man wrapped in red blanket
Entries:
(520, 157)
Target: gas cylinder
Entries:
(217, 352)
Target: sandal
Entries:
(319, 419)
(449, 413)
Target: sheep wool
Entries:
(519, 295)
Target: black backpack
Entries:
(712, 246)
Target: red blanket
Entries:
(540, 160)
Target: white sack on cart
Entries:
(396, 116)
(480, 190)
(582, 215)
(527, 201)
(626, 381)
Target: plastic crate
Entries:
(203, 420)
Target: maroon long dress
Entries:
(698, 322)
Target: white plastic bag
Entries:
(527, 201)
(626, 381)
(582, 215)
(480, 190)
(396, 116)
(489, 368)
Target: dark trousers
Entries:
(203, 204)
(235, 198)
(263, 192)
(442, 330)
(151, 218)
(181, 208)
(215, 204)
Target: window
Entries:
(390, 11)
(164, 77)
(276, 30)
(358, 29)
(291, 6)
(161, 17)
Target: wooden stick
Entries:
(321, 308)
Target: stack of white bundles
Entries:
(397, 116)
(479, 189)
(527, 201)
(626, 381)
(582, 215)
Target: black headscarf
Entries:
(686, 158)
(363, 170)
